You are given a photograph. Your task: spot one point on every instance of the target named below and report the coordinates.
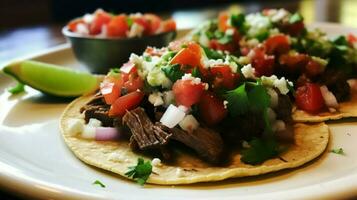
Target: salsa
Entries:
(104, 24)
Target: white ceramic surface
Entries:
(34, 160)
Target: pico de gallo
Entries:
(277, 42)
(104, 24)
(200, 98)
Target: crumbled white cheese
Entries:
(248, 71)
(88, 132)
(75, 126)
(274, 99)
(156, 162)
(279, 15)
(156, 99)
(194, 80)
(211, 62)
(189, 123)
(258, 24)
(273, 81)
(244, 60)
(168, 97)
(117, 157)
(94, 122)
(279, 125)
(82, 29)
(137, 60)
(225, 103)
(88, 18)
(136, 30)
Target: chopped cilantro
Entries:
(238, 20)
(262, 36)
(168, 56)
(140, 172)
(196, 72)
(129, 21)
(338, 151)
(295, 18)
(97, 182)
(173, 72)
(238, 101)
(212, 54)
(147, 58)
(17, 89)
(260, 149)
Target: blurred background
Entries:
(31, 25)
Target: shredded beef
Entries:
(146, 134)
(284, 108)
(99, 110)
(336, 82)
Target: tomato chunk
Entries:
(263, 64)
(118, 26)
(223, 21)
(187, 93)
(191, 55)
(351, 38)
(293, 62)
(314, 68)
(111, 86)
(277, 44)
(72, 26)
(211, 109)
(309, 98)
(126, 102)
(134, 82)
(154, 23)
(100, 18)
(214, 44)
(169, 25)
(223, 77)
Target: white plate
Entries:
(35, 161)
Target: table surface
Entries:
(21, 41)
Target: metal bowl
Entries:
(101, 54)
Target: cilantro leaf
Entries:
(295, 18)
(238, 20)
(129, 21)
(212, 54)
(238, 101)
(97, 182)
(173, 72)
(147, 58)
(259, 98)
(196, 72)
(140, 172)
(168, 56)
(259, 151)
(338, 151)
(17, 89)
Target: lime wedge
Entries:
(53, 79)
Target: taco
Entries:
(168, 117)
(277, 42)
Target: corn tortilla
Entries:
(310, 141)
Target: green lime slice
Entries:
(53, 79)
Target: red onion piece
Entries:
(106, 133)
(126, 68)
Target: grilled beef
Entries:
(284, 108)
(98, 109)
(146, 134)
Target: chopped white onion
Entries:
(94, 122)
(88, 132)
(156, 99)
(189, 123)
(127, 67)
(75, 126)
(172, 116)
(106, 133)
(329, 98)
(184, 108)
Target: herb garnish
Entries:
(97, 182)
(173, 72)
(17, 89)
(295, 18)
(212, 54)
(338, 151)
(140, 172)
(260, 150)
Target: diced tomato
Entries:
(72, 26)
(126, 102)
(211, 109)
(309, 98)
(187, 93)
(110, 92)
(100, 18)
(351, 38)
(134, 82)
(277, 44)
(110, 88)
(262, 63)
(169, 25)
(142, 22)
(154, 22)
(191, 55)
(223, 77)
(244, 51)
(295, 29)
(223, 21)
(214, 44)
(293, 62)
(118, 26)
(314, 68)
